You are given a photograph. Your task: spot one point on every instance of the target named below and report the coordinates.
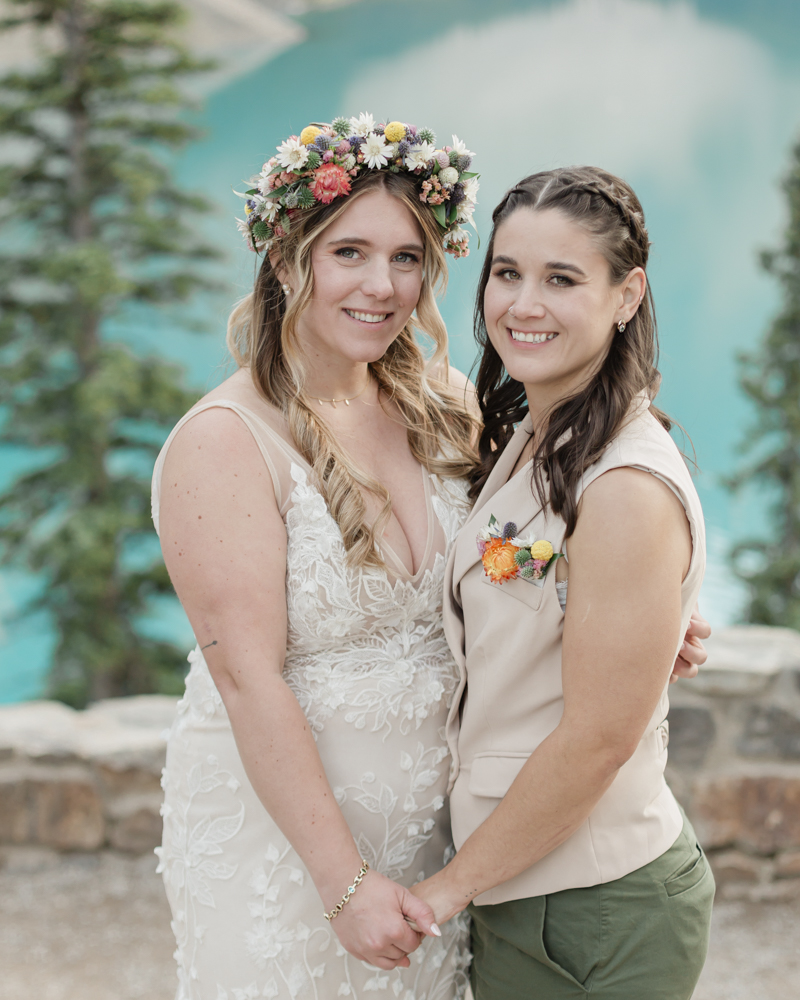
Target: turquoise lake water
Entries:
(696, 104)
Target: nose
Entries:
(527, 303)
(377, 279)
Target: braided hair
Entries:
(576, 430)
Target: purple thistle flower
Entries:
(321, 143)
(379, 129)
(464, 163)
(457, 194)
(509, 530)
(356, 141)
(403, 147)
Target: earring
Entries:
(621, 326)
(286, 289)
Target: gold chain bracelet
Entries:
(350, 890)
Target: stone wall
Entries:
(79, 781)
(734, 756)
(83, 780)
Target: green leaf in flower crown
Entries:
(467, 175)
(451, 215)
(493, 520)
(279, 192)
(286, 222)
(252, 191)
(439, 212)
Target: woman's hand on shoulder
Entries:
(693, 654)
(374, 926)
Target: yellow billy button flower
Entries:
(309, 134)
(395, 131)
(542, 550)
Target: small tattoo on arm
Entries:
(210, 644)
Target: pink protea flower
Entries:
(343, 148)
(327, 156)
(330, 181)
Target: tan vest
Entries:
(507, 642)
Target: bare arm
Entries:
(224, 544)
(629, 525)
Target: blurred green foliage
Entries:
(771, 379)
(92, 223)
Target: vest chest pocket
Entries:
(525, 591)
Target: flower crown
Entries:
(321, 163)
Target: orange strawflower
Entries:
(498, 560)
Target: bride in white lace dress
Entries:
(307, 542)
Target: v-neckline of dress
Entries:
(404, 574)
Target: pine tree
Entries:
(771, 379)
(92, 224)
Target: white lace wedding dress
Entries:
(368, 661)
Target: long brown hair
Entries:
(263, 336)
(577, 430)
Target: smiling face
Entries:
(550, 306)
(367, 268)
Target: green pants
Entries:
(642, 937)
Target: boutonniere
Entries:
(506, 556)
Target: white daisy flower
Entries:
(418, 156)
(459, 236)
(362, 125)
(471, 187)
(292, 154)
(523, 541)
(376, 151)
(266, 208)
(460, 148)
(466, 213)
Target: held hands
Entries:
(692, 653)
(439, 897)
(375, 928)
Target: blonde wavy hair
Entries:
(262, 336)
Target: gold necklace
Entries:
(345, 400)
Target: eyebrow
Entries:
(356, 241)
(552, 265)
(558, 265)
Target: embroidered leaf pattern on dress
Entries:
(367, 660)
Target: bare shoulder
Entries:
(631, 511)
(462, 386)
(214, 447)
(625, 493)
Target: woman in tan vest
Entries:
(580, 871)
